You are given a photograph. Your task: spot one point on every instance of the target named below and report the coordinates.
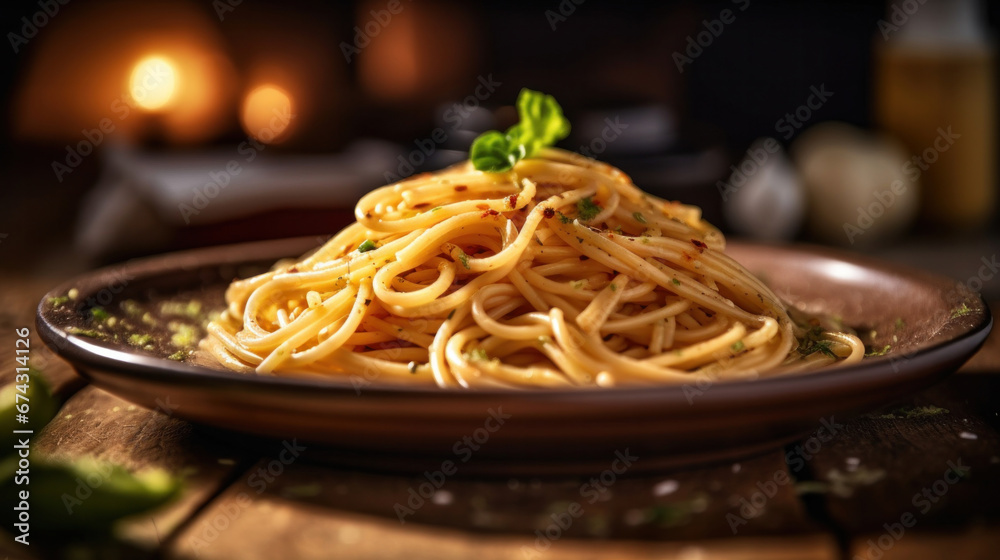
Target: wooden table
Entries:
(849, 497)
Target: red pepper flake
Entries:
(293, 269)
(512, 201)
(701, 246)
(549, 213)
(490, 212)
(460, 188)
(421, 205)
(584, 257)
(483, 206)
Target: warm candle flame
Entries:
(267, 112)
(153, 83)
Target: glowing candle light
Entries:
(153, 83)
(267, 113)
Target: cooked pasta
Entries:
(557, 273)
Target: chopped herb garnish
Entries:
(140, 340)
(58, 300)
(675, 282)
(813, 342)
(131, 308)
(960, 311)
(738, 346)
(178, 356)
(541, 124)
(99, 314)
(914, 412)
(91, 333)
(463, 258)
(579, 239)
(452, 314)
(900, 323)
(639, 217)
(435, 209)
(149, 319)
(614, 287)
(477, 354)
(564, 218)
(587, 209)
(184, 335)
(577, 284)
(190, 309)
(366, 246)
(882, 352)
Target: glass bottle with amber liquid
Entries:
(935, 91)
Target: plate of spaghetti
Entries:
(531, 286)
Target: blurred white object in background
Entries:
(764, 198)
(862, 189)
(142, 197)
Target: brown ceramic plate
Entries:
(931, 325)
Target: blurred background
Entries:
(135, 128)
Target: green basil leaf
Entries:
(542, 120)
(542, 124)
(492, 152)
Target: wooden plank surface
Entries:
(19, 296)
(977, 543)
(246, 525)
(97, 424)
(303, 499)
(934, 458)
